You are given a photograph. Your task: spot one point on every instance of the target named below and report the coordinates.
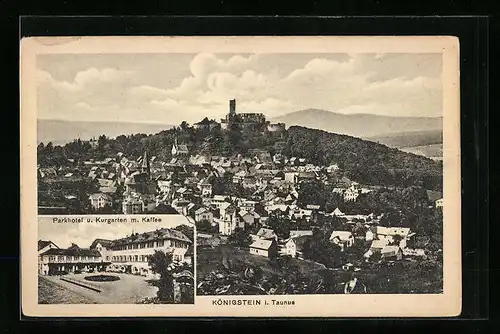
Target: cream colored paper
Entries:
(446, 304)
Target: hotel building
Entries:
(126, 255)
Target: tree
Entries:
(184, 126)
(188, 231)
(159, 263)
(320, 249)
(102, 141)
(280, 225)
(205, 226)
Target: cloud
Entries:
(394, 84)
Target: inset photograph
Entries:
(117, 263)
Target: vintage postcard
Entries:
(240, 176)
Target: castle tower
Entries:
(232, 110)
(232, 107)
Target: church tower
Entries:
(145, 168)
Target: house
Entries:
(332, 168)
(267, 233)
(392, 234)
(302, 213)
(44, 246)
(289, 248)
(439, 203)
(267, 248)
(300, 242)
(377, 245)
(351, 194)
(203, 214)
(337, 212)
(369, 235)
(239, 176)
(132, 206)
(344, 239)
(249, 217)
(46, 172)
(391, 252)
(130, 254)
(100, 200)
(300, 233)
(219, 201)
(292, 177)
(338, 191)
(228, 220)
(205, 188)
(108, 190)
(164, 186)
(413, 252)
(179, 150)
(247, 204)
(55, 261)
(103, 246)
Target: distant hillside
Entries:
(359, 125)
(433, 151)
(61, 132)
(410, 139)
(364, 161)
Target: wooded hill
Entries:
(360, 160)
(364, 161)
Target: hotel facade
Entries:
(125, 255)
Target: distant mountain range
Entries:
(60, 132)
(363, 126)
(426, 143)
(418, 135)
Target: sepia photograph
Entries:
(83, 262)
(314, 171)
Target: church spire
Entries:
(145, 163)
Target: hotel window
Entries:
(136, 258)
(160, 243)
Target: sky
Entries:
(83, 234)
(169, 88)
